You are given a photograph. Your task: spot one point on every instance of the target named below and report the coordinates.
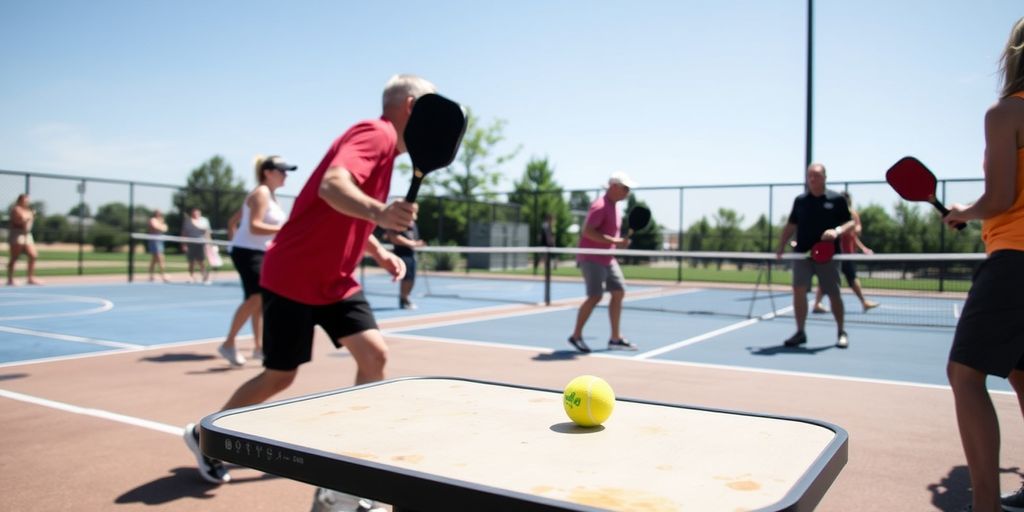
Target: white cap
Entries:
(622, 179)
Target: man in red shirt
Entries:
(307, 276)
(601, 271)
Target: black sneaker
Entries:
(843, 341)
(405, 304)
(579, 344)
(796, 340)
(212, 470)
(1014, 502)
(621, 344)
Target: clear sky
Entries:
(677, 92)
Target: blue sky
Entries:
(675, 92)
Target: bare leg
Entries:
(835, 299)
(242, 313)
(16, 250)
(257, 326)
(864, 302)
(979, 433)
(261, 387)
(404, 289)
(800, 306)
(584, 314)
(615, 312)
(33, 255)
(152, 266)
(160, 261)
(370, 351)
(818, 294)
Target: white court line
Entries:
(750, 369)
(68, 337)
(96, 413)
(496, 315)
(140, 348)
(104, 305)
(708, 335)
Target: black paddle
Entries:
(639, 218)
(432, 137)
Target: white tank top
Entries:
(245, 238)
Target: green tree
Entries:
(80, 210)
(756, 238)
(727, 230)
(114, 215)
(214, 188)
(539, 194)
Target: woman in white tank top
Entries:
(255, 225)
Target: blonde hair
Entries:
(257, 163)
(400, 87)
(1012, 64)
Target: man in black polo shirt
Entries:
(818, 214)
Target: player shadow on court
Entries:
(557, 355)
(782, 349)
(171, 357)
(953, 491)
(183, 482)
(12, 376)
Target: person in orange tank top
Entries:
(989, 337)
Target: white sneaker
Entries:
(326, 500)
(212, 470)
(257, 354)
(232, 355)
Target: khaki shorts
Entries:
(828, 275)
(599, 278)
(19, 237)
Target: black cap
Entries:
(276, 162)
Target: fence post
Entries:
(131, 229)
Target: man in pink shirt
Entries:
(307, 276)
(601, 271)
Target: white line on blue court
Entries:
(712, 334)
(34, 299)
(96, 413)
(68, 337)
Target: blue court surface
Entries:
(716, 327)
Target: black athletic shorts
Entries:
(248, 263)
(410, 268)
(990, 334)
(288, 327)
(849, 270)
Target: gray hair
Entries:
(400, 87)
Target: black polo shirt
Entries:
(813, 215)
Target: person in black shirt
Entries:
(818, 214)
(405, 242)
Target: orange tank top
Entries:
(1006, 230)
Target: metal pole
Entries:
(810, 86)
(81, 227)
(131, 229)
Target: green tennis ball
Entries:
(588, 400)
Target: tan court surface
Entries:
(904, 452)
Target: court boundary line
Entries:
(104, 305)
(713, 334)
(95, 413)
(825, 376)
(70, 338)
(141, 348)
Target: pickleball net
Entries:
(910, 289)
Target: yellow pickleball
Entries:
(588, 400)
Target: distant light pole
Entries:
(810, 87)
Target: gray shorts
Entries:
(600, 277)
(828, 275)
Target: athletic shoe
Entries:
(796, 340)
(232, 355)
(406, 304)
(843, 341)
(818, 308)
(326, 500)
(1014, 502)
(212, 470)
(579, 344)
(621, 344)
(869, 305)
(257, 354)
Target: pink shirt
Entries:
(312, 259)
(605, 218)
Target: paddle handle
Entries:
(945, 211)
(414, 186)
